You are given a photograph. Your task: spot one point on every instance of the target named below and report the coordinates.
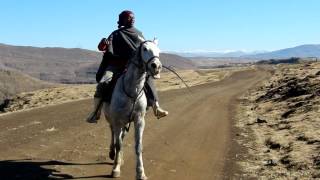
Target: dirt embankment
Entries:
(280, 123)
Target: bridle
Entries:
(141, 64)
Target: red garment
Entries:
(103, 44)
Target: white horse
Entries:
(129, 103)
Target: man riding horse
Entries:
(118, 48)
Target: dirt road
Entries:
(193, 142)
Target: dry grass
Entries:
(193, 77)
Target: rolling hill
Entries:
(50, 64)
(64, 65)
(177, 61)
(12, 82)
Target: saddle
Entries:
(108, 88)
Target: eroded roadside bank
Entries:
(279, 125)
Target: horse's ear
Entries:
(156, 41)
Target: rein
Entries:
(140, 65)
(166, 67)
(134, 102)
(174, 72)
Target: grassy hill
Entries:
(12, 82)
(64, 65)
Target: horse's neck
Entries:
(134, 80)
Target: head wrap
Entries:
(126, 18)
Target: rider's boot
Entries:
(158, 111)
(94, 116)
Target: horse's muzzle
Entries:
(157, 76)
(155, 68)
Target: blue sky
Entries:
(186, 25)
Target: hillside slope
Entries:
(176, 61)
(65, 65)
(50, 64)
(12, 82)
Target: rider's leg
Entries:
(94, 116)
(97, 105)
(153, 98)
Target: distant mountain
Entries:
(64, 65)
(303, 51)
(298, 51)
(230, 54)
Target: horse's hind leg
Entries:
(112, 150)
(118, 146)
(139, 128)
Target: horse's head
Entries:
(149, 53)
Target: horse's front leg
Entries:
(139, 128)
(118, 146)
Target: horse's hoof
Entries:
(142, 177)
(115, 174)
(112, 154)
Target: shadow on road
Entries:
(27, 169)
